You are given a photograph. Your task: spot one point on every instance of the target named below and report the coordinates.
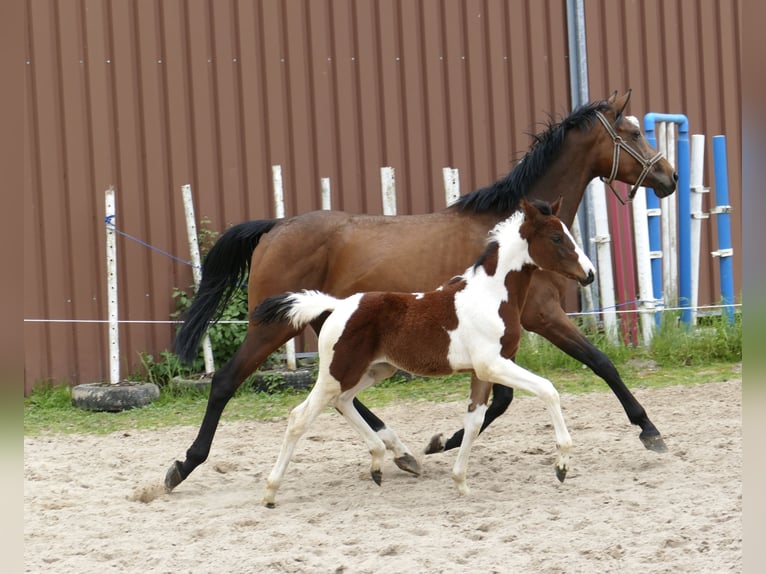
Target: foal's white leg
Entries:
(472, 426)
(508, 373)
(324, 391)
(384, 437)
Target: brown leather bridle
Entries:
(619, 143)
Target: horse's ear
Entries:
(610, 100)
(556, 205)
(621, 103)
(528, 208)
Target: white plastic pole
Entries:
(451, 184)
(191, 233)
(111, 289)
(643, 266)
(388, 190)
(603, 241)
(696, 165)
(326, 194)
(279, 208)
(669, 218)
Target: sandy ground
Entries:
(95, 504)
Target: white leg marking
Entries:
(508, 373)
(297, 423)
(472, 425)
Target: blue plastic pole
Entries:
(725, 251)
(684, 213)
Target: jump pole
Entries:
(722, 209)
(279, 208)
(697, 215)
(684, 213)
(191, 233)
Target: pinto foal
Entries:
(470, 323)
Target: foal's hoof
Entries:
(377, 476)
(436, 444)
(561, 473)
(408, 464)
(653, 442)
(173, 477)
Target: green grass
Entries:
(710, 352)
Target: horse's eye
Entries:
(636, 134)
(556, 239)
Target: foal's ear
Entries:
(556, 205)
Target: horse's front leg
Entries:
(507, 372)
(543, 315)
(472, 425)
(501, 400)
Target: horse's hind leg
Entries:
(378, 440)
(259, 343)
(299, 420)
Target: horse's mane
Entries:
(504, 195)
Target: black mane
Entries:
(503, 196)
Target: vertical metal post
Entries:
(111, 288)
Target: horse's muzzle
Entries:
(587, 280)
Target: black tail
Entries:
(274, 309)
(225, 268)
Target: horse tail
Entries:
(226, 267)
(300, 309)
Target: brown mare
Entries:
(341, 254)
(472, 323)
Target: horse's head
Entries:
(641, 164)
(551, 246)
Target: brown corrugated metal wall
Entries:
(150, 95)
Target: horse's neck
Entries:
(568, 175)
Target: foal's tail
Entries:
(297, 308)
(225, 269)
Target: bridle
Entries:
(620, 143)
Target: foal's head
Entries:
(551, 246)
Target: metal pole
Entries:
(111, 289)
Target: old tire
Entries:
(278, 379)
(114, 397)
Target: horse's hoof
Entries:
(377, 476)
(173, 477)
(436, 444)
(408, 464)
(561, 473)
(654, 442)
(269, 505)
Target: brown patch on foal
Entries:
(393, 326)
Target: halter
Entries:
(620, 143)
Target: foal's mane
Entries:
(504, 195)
(493, 243)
